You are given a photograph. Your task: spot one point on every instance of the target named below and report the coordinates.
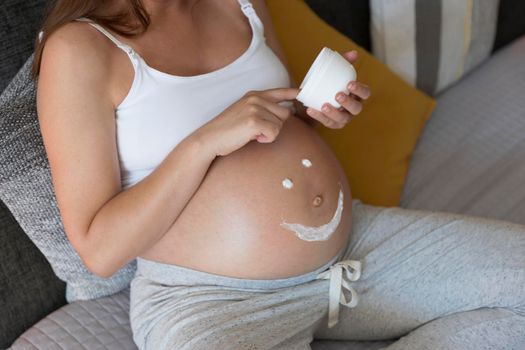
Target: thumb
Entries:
(351, 56)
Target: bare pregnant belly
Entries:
(232, 224)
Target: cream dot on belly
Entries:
(287, 183)
(306, 162)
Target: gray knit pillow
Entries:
(431, 44)
(27, 190)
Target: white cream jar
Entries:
(329, 74)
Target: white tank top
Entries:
(161, 109)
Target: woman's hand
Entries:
(351, 105)
(255, 116)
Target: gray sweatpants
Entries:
(429, 280)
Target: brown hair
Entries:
(61, 12)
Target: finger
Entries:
(279, 111)
(267, 127)
(340, 116)
(351, 56)
(264, 114)
(359, 89)
(323, 119)
(349, 103)
(279, 94)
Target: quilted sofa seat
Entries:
(103, 323)
(470, 157)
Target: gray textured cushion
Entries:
(470, 157)
(26, 188)
(29, 290)
(104, 324)
(19, 21)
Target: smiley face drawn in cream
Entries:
(319, 233)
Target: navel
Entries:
(317, 201)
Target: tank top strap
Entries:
(249, 11)
(128, 49)
(246, 5)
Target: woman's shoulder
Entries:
(77, 45)
(75, 63)
(77, 35)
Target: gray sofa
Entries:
(469, 159)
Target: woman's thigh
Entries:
(173, 307)
(420, 265)
(215, 317)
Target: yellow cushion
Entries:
(375, 147)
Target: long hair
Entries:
(60, 12)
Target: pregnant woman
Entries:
(174, 138)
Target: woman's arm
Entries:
(108, 227)
(273, 43)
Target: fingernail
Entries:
(352, 86)
(341, 97)
(326, 108)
